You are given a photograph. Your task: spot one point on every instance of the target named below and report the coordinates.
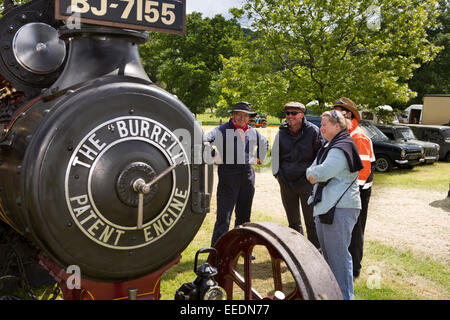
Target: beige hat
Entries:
(347, 104)
(295, 104)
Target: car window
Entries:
(420, 133)
(446, 133)
(372, 132)
(405, 133)
(433, 134)
(389, 134)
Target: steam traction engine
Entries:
(103, 170)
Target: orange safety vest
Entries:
(366, 153)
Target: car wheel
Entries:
(447, 157)
(383, 164)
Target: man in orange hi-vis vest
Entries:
(365, 178)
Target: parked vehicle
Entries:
(412, 114)
(390, 153)
(405, 134)
(435, 110)
(314, 119)
(258, 121)
(436, 134)
(375, 116)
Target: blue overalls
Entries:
(236, 186)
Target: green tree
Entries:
(186, 65)
(433, 76)
(323, 49)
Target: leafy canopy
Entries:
(323, 49)
(186, 65)
(433, 77)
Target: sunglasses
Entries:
(293, 113)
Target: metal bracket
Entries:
(200, 197)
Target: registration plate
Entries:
(162, 16)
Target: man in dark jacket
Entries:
(239, 146)
(295, 148)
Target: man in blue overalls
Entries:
(239, 146)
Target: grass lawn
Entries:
(208, 119)
(432, 176)
(387, 274)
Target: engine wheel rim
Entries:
(312, 276)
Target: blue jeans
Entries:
(334, 240)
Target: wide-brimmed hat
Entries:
(347, 104)
(295, 104)
(243, 106)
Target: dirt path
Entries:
(409, 219)
(402, 218)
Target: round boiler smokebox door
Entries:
(83, 149)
